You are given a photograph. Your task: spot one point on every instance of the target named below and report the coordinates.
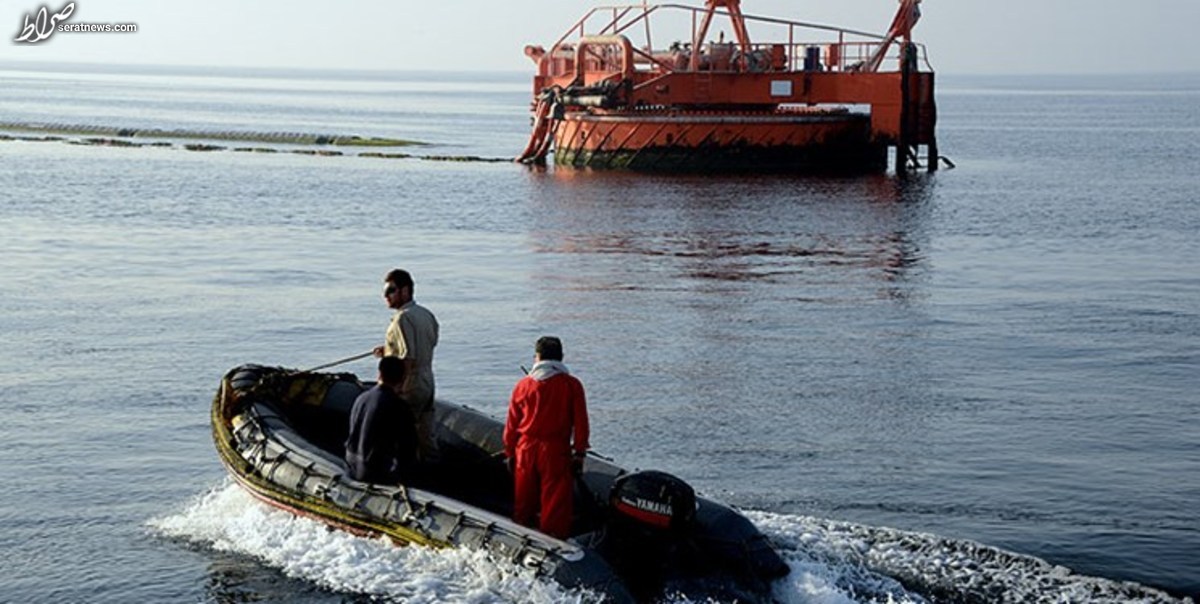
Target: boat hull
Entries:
(719, 142)
(279, 432)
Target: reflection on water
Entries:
(665, 231)
(790, 309)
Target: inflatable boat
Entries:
(636, 536)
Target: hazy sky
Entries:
(963, 36)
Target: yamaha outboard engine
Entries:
(654, 502)
(646, 535)
(660, 538)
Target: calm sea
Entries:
(981, 385)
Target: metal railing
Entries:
(795, 47)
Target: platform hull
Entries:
(719, 142)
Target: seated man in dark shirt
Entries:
(382, 444)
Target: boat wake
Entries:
(874, 564)
(831, 562)
(228, 519)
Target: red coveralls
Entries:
(542, 414)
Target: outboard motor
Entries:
(660, 538)
(653, 501)
(646, 537)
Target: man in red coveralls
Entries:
(547, 407)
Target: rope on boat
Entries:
(242, 432)
(393, 506)
(252, 445)
(340, 361)
(401, 494)
(360, 497)
(305, 473)
(323, 490)
(485, 532)
(522, 546)
(458, 523)
(275, 464)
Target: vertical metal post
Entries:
(931, 113)
(902, 144)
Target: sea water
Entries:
(976, 385)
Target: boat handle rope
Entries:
(252, 446)
(360, 497)
(323, 490)
(245, 432)
(526, 549)
(250, 433)
(423, 514)
(305, 473)
(485, 534)
(339, 361)
(393, 507)
(410, 517)
(458, 522)
(275, 463)
(519, 552)
(256, 452)
(370, 490)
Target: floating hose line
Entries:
(290, 138)
(290, 142)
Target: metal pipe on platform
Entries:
(587, 42)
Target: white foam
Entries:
(228, 519)
(819, 578)
(872, 561)
(831, 562)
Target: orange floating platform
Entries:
(812, 98)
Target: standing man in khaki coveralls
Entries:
(411, 336)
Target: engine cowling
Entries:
(654, 500)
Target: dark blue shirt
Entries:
(381, 446)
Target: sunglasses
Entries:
(389, 290)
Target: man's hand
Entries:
(512, 465)
(577, 463)
(378, 352)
